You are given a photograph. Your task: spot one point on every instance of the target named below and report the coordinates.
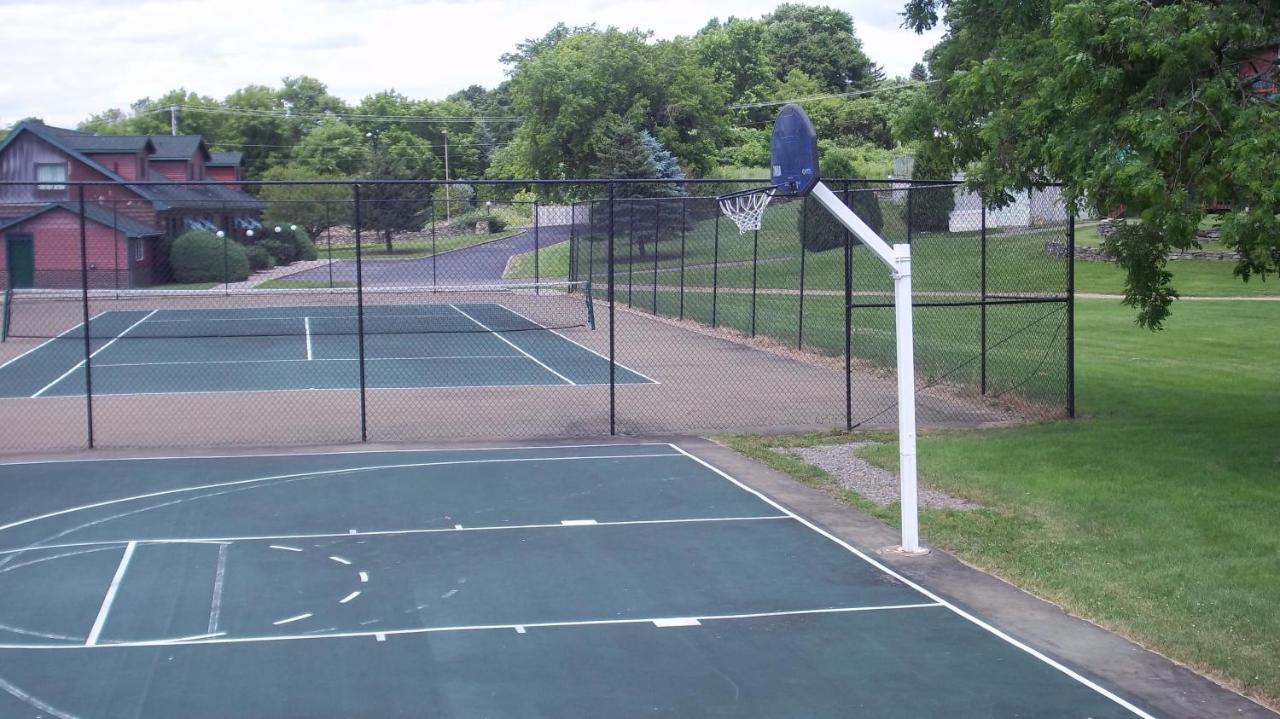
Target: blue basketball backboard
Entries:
(794, 150)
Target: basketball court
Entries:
(604, 580)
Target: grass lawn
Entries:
(373, 248)
(288, 284)
(1192, 278)
(1155, 513)
(553, 261)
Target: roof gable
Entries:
(94, 213)
(178, 147)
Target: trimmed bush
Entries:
(820, 231)
(259, 258)
(283, 252)
(199, 256)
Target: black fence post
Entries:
(591, 244)
(84, 307)
(657, 226)
(433, 244)
(226, 269)
(537, 270)
(910, 199)
(115, 248)
(715, 268)
(328, 242)
(848, 321)
(613, 348)
(1071, 315)
(982, 317)
(804, 228)
(755, 270)
(684, 226)
(364, 408)
(631, 246)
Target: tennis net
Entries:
(143, 314)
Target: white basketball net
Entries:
(746, 210)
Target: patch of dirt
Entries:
(872, 483)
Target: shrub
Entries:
(931, 206)
(821, 231)
(259, 258)
(199, 256)
(282, 251)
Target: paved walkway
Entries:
(258, 278)
(478, 264)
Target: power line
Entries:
(855, 93)
(284, 114)
(360, 147)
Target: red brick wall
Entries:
(223, 174)
(57, 248)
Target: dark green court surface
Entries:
(305, 347)
(592, 580)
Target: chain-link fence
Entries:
(306, 313)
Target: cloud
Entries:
(77, 57)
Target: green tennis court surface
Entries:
(305, 347)
(605, 580)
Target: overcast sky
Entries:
(67, 59)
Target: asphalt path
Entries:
(479, 264)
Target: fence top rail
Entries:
(487, 183)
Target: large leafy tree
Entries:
(564, 92)
(820, 42)
(397, 154)
(1146, 108)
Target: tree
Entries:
(623, 155)
(736, 52)
(260, 128)
(397, 155)
(531, 48)
(1134, 106)
(919, 72)
(315, 208)
(303, 95)
(564, 92)
(820, 42)
(332, 149)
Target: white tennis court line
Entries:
(396, 532)
(537, 361)
(488, 627)
(219, 575)
(420, 358)
(58, 336)
(306, 328)
(936, 599)
(110, 598)
(557, 334)
(94, 353)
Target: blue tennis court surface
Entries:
(306, 347)
(592, 580)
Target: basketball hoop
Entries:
(746, 208)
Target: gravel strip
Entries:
(872, 483)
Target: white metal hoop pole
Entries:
(906, 398)
(898, 259)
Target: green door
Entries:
(20, 260)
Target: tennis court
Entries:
(587, 580)
(155, 342)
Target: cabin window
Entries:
(51, 176)
(139, 250)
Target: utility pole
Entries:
(446, 176)
(173, 120)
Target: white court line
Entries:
(290, 620)
(371, 390)
(677, 622)
(340, 560)
(318, 473)
(309, 359)
(105, 609)
(488, 627)
(557, 334)
(392, 532)
(349, 597)
(306, 326)
(94, 353)
(364, 577)
(578, 522)
(219, 574)
(35, 702)
(51, 339)
(537, 361)
(939, 601)
(346, 452)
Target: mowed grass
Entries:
(373, 248)
(1192, 278)
(1155, 513)
(552, 262)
